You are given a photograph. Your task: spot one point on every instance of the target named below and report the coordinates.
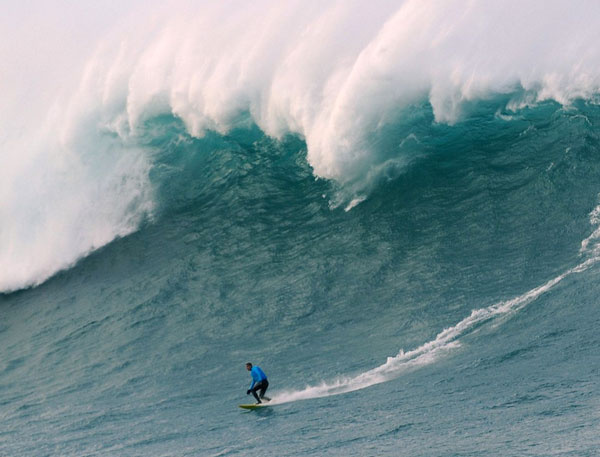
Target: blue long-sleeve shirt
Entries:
(257, 375)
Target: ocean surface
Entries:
(392, 208)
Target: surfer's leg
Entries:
(255, 394)
(263, 389)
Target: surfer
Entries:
(259, 383)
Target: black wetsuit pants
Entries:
(260, 386)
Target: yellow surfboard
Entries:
(253, 406)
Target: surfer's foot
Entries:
(258, 402)
(266, 399)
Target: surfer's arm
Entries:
(254, 377)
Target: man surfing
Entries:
(259, 383)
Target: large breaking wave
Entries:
(76, 161)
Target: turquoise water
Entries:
(427, 287)
(139, 349)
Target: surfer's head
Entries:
(248, 366)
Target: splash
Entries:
(76, 167)
(336, 74)
(449, 339)
(428, 353)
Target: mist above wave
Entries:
(336, 73)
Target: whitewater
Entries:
(216, 71)
(391, 207)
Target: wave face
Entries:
(392, 208)
(77, 146)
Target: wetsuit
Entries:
(259, 383)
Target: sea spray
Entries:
(447, 340)
(337, 75)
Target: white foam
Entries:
(447, 340)
(336, 73)
(333, 73)
(590, 244)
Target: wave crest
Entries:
(336, 75)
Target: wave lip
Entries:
(335, 75)
(60, 208)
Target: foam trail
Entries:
(595, 236)
(429, 352)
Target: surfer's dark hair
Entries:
(248, 363)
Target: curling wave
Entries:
(77, 175)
